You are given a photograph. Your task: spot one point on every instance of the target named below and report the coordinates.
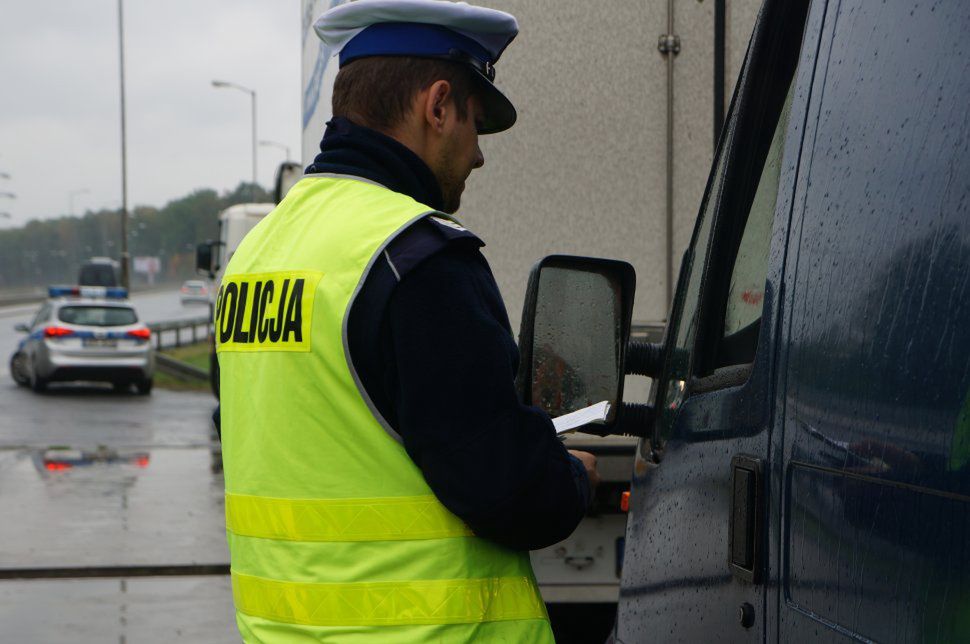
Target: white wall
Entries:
(583, 171)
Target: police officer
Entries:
(383, 483)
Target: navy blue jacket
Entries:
(430, 340)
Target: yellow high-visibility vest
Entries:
(333, 533)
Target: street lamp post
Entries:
(124, 150)
(252, 95)
(277, 144)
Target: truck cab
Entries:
(802, 472)
(212, 255)
(234, 222)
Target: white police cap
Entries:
(456, 31)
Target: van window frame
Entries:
(758, 118)
(773, 53)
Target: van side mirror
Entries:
(573, 339)
(206, 260)
(21, 328)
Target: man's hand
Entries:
(589, 462)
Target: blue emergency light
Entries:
(106, 292)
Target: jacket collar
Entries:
(348, 148)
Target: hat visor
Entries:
(500, 114)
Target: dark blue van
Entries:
(803, 471)
(99, 271)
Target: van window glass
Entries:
(97, 315)
(679, 358)
(98, 275)
(716, 318)
(745, 299)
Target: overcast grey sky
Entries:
(59, 99)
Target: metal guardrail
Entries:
(22, 298)
(179, 369)
(175, 333)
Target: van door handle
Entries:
(746, 531)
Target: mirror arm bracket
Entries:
(635, 419)
(644, 358)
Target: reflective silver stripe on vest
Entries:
(350, 362)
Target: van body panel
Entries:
(874, 473)
(856, 408)
(857, 404)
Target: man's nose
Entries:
(479, 157)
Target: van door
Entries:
(697, 536)
(874, 477)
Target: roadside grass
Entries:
(196, 355)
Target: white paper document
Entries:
(592, 415)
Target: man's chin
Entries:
(450, 205)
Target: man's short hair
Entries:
(376, 92)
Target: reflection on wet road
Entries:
(162, 507)
(90, 478)
(184, 609)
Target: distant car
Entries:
(85, 333)
(194, 291)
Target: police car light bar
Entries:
(108, 292)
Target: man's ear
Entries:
(438, 104)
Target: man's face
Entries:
(458, 154)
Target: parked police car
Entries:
(85, 333)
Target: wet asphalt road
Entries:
(92, 478)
